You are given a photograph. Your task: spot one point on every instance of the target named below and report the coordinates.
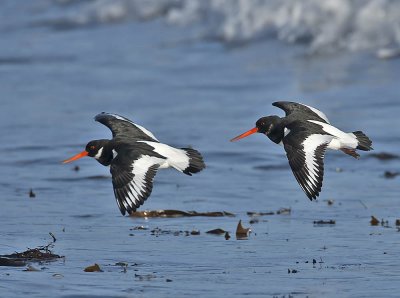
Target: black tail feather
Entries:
(196, 162)
(364, 143)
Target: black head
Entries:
(95, 149)
(265, 125)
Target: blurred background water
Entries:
(198, 73)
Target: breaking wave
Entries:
(324, 25)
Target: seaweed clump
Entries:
(38, 254)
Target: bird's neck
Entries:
(277, 133)
(106, 155)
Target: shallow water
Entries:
(190, 91)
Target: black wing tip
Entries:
(107, 114)
(196, 162)
(278, 104)
(282, 102)
(313, 196)
(120, 196)
(122, 210)
(104, 114)
(99, 116)
(129, 208)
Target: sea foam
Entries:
(324, 25)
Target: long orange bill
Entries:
(246, 134)
(75, 157)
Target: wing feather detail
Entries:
(302, 110)
(306, 160)
(133, 183)
(123, 128)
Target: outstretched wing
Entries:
(306, 158)
(293, 107)
(133, 179)
(123, 128)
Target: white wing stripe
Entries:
(134, 192)
(310, 144)
(318, 112)
(140, 167)
(139, 187)
(132, 196)
(147, 132)
(129, 200)
(126, 205)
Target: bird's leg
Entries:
(351, 152)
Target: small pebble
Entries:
(31, 193)
(374, 221)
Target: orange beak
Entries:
(75, 157)
(246, 134)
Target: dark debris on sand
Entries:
(390, 174)
(216, 232)
(157, 232)
(241, 232)
(254, 216)
(39, 254)
(178, 213)
(282, 211)
(31, 193)
(384, 156)
(374, 221)
(384, 223)
(93, 268)
(324, 222)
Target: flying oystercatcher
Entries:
(134, 156)
(306, 133)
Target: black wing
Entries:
(132, 178)
(122, 128)
(305, 153)
(294, 108)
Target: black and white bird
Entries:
(306, 133)
(134, 155)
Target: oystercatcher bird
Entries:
(134, 155)
(306, 133)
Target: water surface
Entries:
(189, 90)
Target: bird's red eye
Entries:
(92, 147)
